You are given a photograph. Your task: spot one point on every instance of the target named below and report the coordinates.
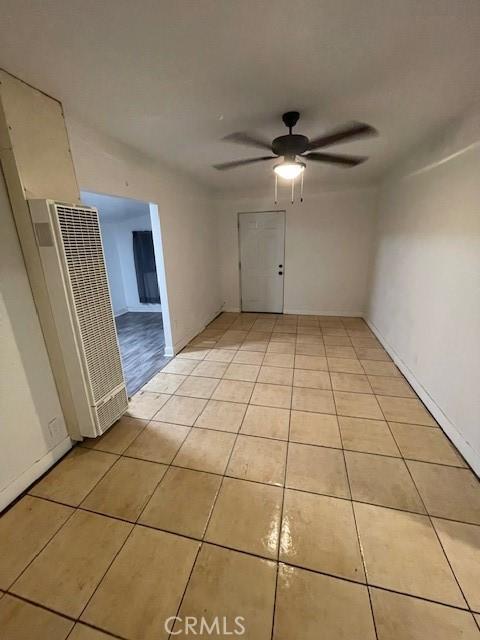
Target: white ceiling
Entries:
(171, 78)
(115, 209)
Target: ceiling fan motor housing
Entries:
(290, 145)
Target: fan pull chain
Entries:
(293, 189)
(276, 189)
(301, 187)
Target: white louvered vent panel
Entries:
(112, 409)
(80, 233)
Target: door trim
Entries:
(239, 213)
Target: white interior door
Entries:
(262, 260)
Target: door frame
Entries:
(239, 213)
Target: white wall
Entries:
(114, 270)
(127, 262)
(28, 397)
(187, 218)
(425, 285)
(327, 248)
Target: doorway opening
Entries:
(132, 246)
(261, 237)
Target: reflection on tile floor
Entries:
(279, 475)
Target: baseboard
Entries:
(316, 312)
(122, 312)
(15, 488)
(470, 455)
(231, 310)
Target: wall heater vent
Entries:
(76, 277)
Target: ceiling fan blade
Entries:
(242, 137)
(239, 163)
(333, 158)
(349, 131)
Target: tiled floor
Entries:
(279, 469)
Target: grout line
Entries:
(427, 514)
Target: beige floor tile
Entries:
(309, 330)
(336, 351)
(210, 369)
(269, 422)
(317, 400)
(247, 517)
(311, 363)
(234, 584)
(20, 620)
(194, 353)
(286, 348)
(144, 585)
(158, 442)
(275, 375)
(318, 532)
(378, 368)
(220, 355)
(291, 338)
(428, 445)
(408, 410)
(249, 357)
(125, 489)
(65, 574)
(224, 416)
(272, 395)
(145, 405)
(331, 330)
(245, 372)
(182, 409)
(382, 480)
(308, 340)
(312, 606)
(197, 387)
(344, 365)
(278, 360)
(369, 353)
(258, 459)
(317, 469)
(118, 437)
(369, 436)
(314, 428)
(312, 350)
(357, 405)
(264, 324)
(399, 617)
(254, 345)
(181, 366)
(205, 450)
(461, 543)
(354, 382)
(82, 632)
(164, 383)
(391, 386)
(448, 492)
(24, 530)
(182, 502)
(337, 341)
(311, 379)
(233, 391)
(402, 553)
(74, 477)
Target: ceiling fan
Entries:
(296, 148)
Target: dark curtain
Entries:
(145, 267)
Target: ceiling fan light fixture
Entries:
(289, 170)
